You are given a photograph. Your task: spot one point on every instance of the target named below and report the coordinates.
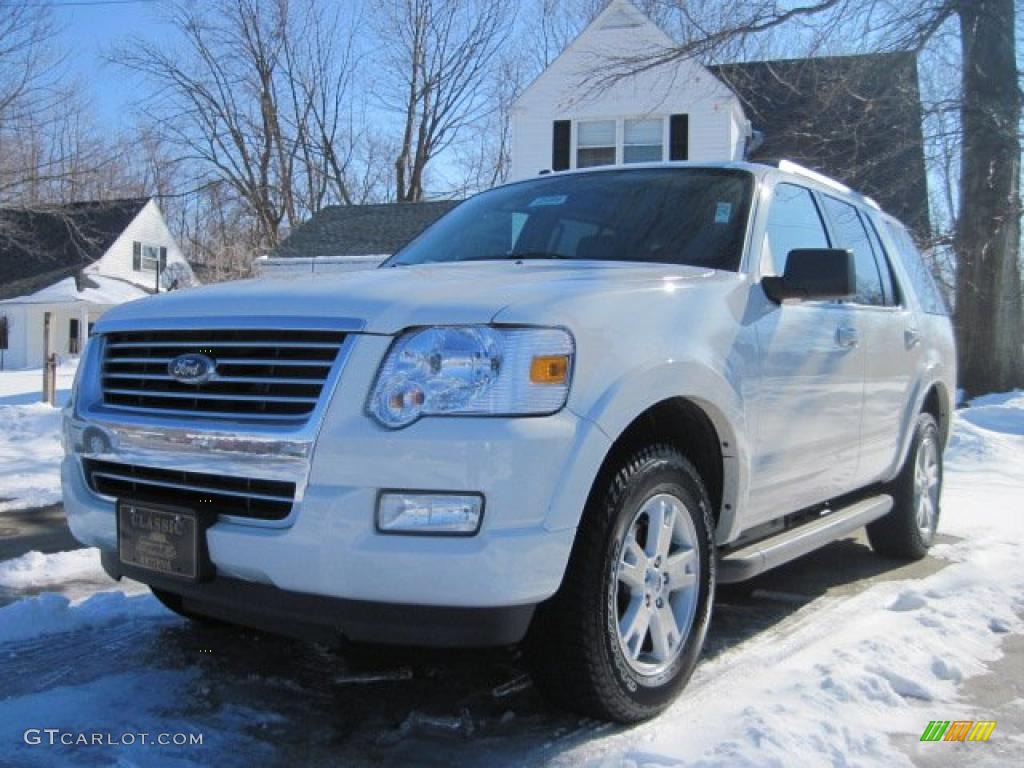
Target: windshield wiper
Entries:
(490, 257)
(518, 255)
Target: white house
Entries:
(855, 118)
(69, 264)
(572, 117)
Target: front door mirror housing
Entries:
(814, 274)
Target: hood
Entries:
(388, 300)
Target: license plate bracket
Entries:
(162, 539)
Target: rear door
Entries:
(885, 329)
(892, 372)
(810, 394)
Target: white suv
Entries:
(559, 416)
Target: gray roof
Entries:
(361, 230)
(854, 118)
(41, 246)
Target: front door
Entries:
(811, 390)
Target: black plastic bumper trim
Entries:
(329, 619)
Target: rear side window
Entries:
(889, 284)
(917, 271)
(793, 222)
(850, 233)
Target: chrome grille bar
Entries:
(259, 374)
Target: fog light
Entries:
(430, 513)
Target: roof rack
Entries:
(795, 168)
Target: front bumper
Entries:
(329, 619)
(535, 474)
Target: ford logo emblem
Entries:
(192, 369)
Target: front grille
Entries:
(265, 375)
(239, 496)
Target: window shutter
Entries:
(137, 256)
(560, 145)
(163, 259)
(679, 137)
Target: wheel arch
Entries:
(664, 393)
(700, 432)
(937, 403)
(932, 397)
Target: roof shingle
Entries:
(39, 247)
(854, 118)
(362, 230)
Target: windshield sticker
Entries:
(722, 213)
(548, 200)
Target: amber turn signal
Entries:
(550, 369)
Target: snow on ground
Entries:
(840, 681)
(73, 576)
(883, 662)
(30, 449)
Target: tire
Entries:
(174, 603)
(909, 529)
(578, 655)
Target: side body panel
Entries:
(691, 339)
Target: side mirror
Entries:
(814, 274)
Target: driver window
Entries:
(793, 222)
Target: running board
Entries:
(752, 559)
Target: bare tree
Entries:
(987, 111)
(439, 53)
(989, 313)
(256, 94)
(27, 59)
(482, 157)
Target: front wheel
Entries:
(621, 637)
(909, 529)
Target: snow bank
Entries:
(30, 455)
(48, 613)
(35, 569)
(30, 450)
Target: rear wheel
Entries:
(622, 636)
(909, 529)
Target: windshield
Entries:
(694, 216)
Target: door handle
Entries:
(846, 336)
(911, 337)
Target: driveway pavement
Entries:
(43, 529)
(349, 718)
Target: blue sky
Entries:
(89, 28)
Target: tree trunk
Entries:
(989, 317)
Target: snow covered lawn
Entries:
(30, 449)
(842, 679)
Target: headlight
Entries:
(473, 370)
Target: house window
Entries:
(595, 143)
(642, 141)
(146, 258)
(150, 257)
(74, 340)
